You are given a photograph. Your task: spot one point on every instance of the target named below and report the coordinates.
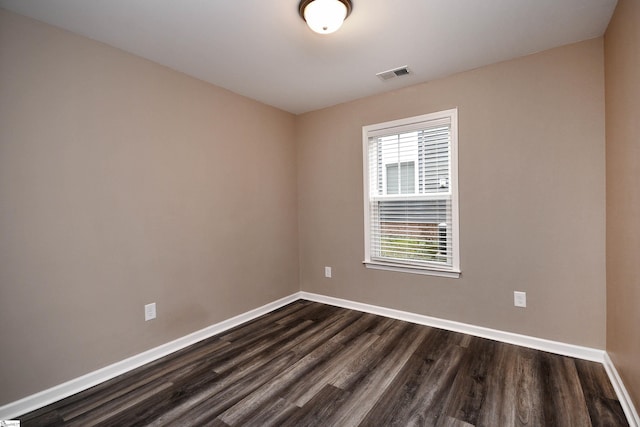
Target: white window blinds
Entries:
(411, 192)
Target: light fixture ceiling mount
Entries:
(325, 16)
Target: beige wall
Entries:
(121, 183)
(532, 197)
(622, 71)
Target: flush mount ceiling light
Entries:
(324, 16)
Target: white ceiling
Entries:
(262, 48)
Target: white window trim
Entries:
(452, 272)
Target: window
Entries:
(411, 195)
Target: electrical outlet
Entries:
(150, 311)
(519, 299)
(327, 272)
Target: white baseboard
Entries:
(621, 391)
(556, 347)
(91, 379)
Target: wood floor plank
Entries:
(306, 312)
(233, 388)
(42, 418)
(360, 367)
(470, 384)
(319, 409)
(370, 387)
(249, 404)
(330, 343)
(258, 323)
(604, 407)
(448, 421)
(165, 372)
(209, 402)
(490, 413)
(501, 397)
(334, 325)
(310, 364)
(303, 391)
(512, 394)
(356, 340)
(395, 406)
(182, 390)
(427, 406)
(564, 402)
(249, 374)
(523, 383)
(113, 408)
(244, 353)
(272, 413)
(119, 386)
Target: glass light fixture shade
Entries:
(325, 16)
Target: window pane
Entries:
(405, 181)
(392, 178)
(407, 178)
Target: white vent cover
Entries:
(396, 72)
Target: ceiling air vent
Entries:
(396, 72)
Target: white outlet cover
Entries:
(519, 299)
(327, 272)
(150, 311)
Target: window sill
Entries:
(451, 274)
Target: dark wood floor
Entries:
(310, 364)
